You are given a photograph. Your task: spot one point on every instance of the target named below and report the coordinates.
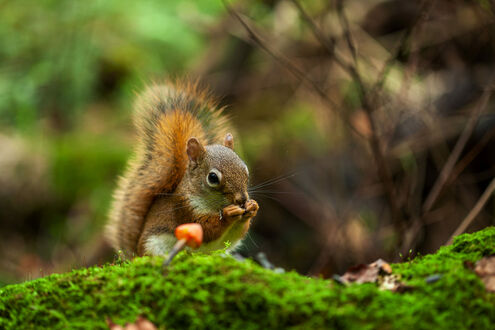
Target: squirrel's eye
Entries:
(213, 178)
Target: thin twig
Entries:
(458, 148)
(475, 211)
(329, 44)
(418, 222)
(404, 43)
(287, 64)
(374, 141)
(375, 144)
(471, 155)
(347, 31)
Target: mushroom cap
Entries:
(191, 232)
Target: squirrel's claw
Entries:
(251, 208)
(232, 213)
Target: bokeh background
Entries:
(370, 123)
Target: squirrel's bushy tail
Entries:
(166, 116)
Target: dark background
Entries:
(351, 108)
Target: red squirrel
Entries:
(184, 170)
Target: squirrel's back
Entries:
(166, 116)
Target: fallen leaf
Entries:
(393, 283)
(377, 272)
(383, 266)
(390, 282)
(366, 273)
(485, 269)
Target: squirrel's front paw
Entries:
(232, 213)
(251, 209)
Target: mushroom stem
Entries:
(176, 249)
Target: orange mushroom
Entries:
(190, 234)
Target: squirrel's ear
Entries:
(195, 150)
(229, 141)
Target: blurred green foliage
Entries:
(297, 128)
(57, 56)
(69, 71)
(84, 169)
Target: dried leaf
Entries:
(485, 269)
(393, 283)
(360, 274)
(390, 282)
(378, 271)
(383, 266)
(366, 273)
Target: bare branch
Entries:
(471, 155)
(404, 43)
(329, 44)
(287, 64)
(458, 148)
(347, 30)
(382, 166)
(475, 211)
(374, 141)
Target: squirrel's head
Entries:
(216, 176)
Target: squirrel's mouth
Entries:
(241, 205)
(240, 199)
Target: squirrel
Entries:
(184, 170)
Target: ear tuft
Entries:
(229, 141)
(195, 150)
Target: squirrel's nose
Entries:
(240, 199)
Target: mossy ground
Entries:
(217, 291)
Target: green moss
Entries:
(216, 291)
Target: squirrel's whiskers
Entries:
(271, 182)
